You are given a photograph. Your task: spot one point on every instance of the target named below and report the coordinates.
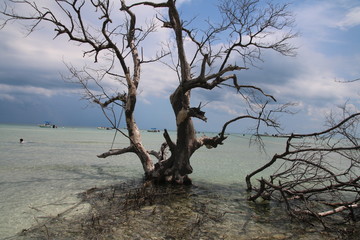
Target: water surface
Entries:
(43, 176)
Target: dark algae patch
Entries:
(167, 212)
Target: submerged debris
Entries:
(145, 211)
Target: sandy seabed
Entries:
(171, 212)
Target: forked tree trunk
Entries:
(177, 167)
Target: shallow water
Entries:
(43, 176)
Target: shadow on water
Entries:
(137, 210)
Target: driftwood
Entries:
(317, 174)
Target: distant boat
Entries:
(104, 128)
(153, 130)
(47, 125)
(277, 135)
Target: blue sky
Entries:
(32, 90)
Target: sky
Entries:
(32, 89)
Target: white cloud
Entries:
(317, 19)
(7, 97)
(157, 80)
(351, 19)
(316, 81)
(11, 92)
(227, 109)
(323, 57)
(314, 18)
(38, 51)
(9, 89)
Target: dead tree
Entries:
(248, 28)
(318, 174)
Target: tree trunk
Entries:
(176, 168)
(134, 133)
(179, 163)
(186, 137)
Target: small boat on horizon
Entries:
(47, 125)
(104, 128)
(153, 130)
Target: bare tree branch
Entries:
(320, 167)
(113, 152)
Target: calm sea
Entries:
(43, 175)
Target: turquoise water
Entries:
(43, 176)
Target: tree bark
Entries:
(180, 102)
(186, 137)
(133, 130)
